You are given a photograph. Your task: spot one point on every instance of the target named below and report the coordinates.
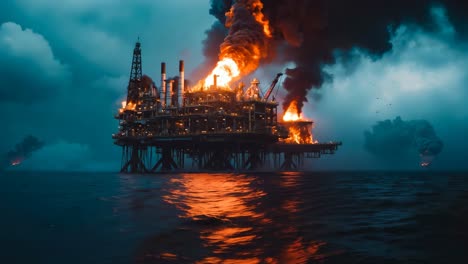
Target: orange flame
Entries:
(256, 7)
(294, 136)
(127, 106)
(240, 58)
(298, 134)
(225, 71)
(292, 113)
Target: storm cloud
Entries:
(423, 77)
(396, 139)
(312, 31)
(29, 70)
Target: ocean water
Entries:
(332, 217)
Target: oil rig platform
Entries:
(177, 128)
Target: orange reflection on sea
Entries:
(228, 236)
(235, 226)
(215, 260)
(221, 196)
(301, 252)
(228, 198)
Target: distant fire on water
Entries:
(16, 162)
(22, 151)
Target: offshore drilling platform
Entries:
(209, 127)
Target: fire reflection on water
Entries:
(213, 195)
(238, 221)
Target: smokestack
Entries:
(170, 90)
(181, 91)
(215, 81)
(163, 84)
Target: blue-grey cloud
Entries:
(394, 140)
(29, 70)
(422, 77)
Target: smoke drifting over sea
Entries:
(309, 33)
(397, 139)
(21, 151)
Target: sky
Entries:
(64, 67)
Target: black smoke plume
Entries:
(395, 139)
(308, 33)
(214, 37)
(21, 151)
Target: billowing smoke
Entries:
(244, 47)
(21, 151)
(395, 139)
(308, 33)
(246, 42)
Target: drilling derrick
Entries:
(215, 128)
(134, 84)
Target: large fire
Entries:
(256, 9)
(300, 132)
(226, 70)
(292, 113)
(242, 50)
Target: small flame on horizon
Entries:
(426, 160)
(16, 162)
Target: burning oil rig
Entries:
(209, 127)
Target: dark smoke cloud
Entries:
(396, 139)
(219, 8)
(309, 32)
(246, 43)
(21, 151)
(214, 37)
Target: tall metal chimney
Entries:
(171, 91)
(163, 84)
(181, 92)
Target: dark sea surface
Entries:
(339, 217)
